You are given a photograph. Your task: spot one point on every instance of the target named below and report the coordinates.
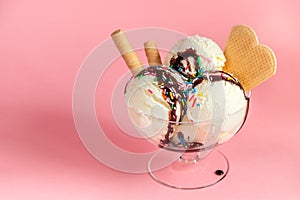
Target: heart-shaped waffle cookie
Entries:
(249, 61)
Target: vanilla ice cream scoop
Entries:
(154, 97)
(218, 97)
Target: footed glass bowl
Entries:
(206, 115)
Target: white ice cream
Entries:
(147, 106)
(227, 103)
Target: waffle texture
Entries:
(249, 61)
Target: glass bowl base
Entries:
(190, 171)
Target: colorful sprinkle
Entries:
(194, 102)
(150, 91)
(229, 79)
(192, 97)
(140, 76)
(199, 61)
(199, 73)
(152, 74)
(171, 95)
(173, 89)
(205, 58)
(181, 139)
(219, 58)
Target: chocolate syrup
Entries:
(171, 93)
(176, 63)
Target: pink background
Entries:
(42, 45)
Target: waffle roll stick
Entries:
(127, 52)
(152, 53)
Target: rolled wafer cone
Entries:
(127, 52)
(152, 53)
(249, 61)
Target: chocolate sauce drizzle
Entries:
(187, 71)
(171, 93)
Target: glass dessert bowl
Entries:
(189, 123)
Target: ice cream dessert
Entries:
(154, 97)
(191, 104)
(185, 105)
(195, 103)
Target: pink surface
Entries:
(43, 44)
